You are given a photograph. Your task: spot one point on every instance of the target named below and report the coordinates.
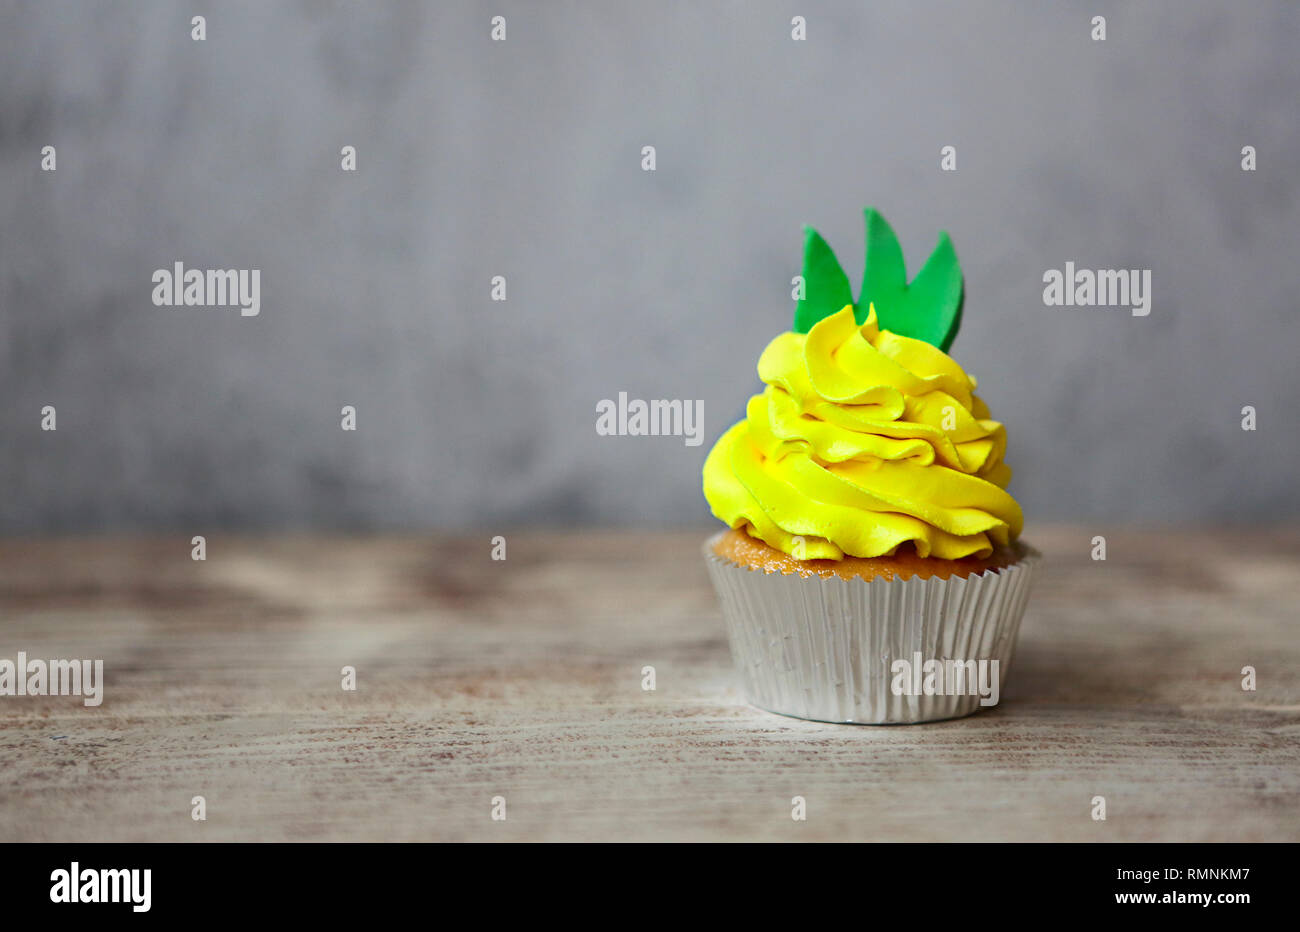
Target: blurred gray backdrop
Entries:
(523, 159)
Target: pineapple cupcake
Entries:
(872, 570)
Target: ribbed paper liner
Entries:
(821, 648)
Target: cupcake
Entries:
(872, 570)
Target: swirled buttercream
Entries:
(862, 441)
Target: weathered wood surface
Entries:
(523, 679)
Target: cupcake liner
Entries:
(823, 648)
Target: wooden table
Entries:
(523, 679)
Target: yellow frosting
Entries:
(862, 441)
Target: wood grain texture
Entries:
(522, 679)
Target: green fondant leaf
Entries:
(930, 308)
(884, 274)
(826, 287)
(937, 291)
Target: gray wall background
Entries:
(522, 159)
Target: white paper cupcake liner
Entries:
(823, 648)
